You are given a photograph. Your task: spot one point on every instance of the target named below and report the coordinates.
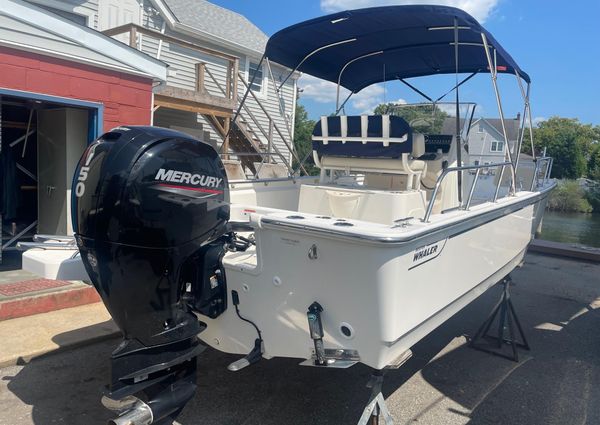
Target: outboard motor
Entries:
(150, 211)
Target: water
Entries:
(582, 229)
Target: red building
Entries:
(61, 85)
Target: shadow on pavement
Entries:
(67, 387)
(554, 383)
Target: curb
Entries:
(24, 359)
(44, 303)
(27, 338)
(564, 250)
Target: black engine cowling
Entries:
(150, 211)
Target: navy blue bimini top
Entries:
(372, 45)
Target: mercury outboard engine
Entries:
(150, 211)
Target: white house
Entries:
(76, 68)
(486, 143)
(212, 53)
(486, 139)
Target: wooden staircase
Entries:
(240, 139)
(243, 134)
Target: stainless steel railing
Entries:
(502, 165)
(53, 242)
(549, 161)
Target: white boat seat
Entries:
(439, 149)
(270, 171)
(234, 169)
(383, 146)
(376, 206)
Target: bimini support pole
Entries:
(494, 75)
(280, 100)
(522, 123)
(458, 141)
(241, 105)
(527, 111)
(530, 122)
(327, 46)
(337, 111)
(339, 82)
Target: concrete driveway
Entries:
(557, 382)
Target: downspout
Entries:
(140, 36)
(160, 41)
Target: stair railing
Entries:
(275, 127)
(272, 148)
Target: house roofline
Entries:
(72, 58)
(223, 41)
(175, 25)
(134, 61)
(499, 133)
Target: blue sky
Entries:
(557, 43)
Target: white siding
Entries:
(182, 63)
(182, 69)
(88, 8)
(480, 144)
(30, 37)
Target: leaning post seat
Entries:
(373, 144)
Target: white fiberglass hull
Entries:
(388, 292)
(389, 286)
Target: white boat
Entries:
(356, 264)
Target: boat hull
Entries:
(388, 295)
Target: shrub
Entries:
(592, 195)
(569, 197)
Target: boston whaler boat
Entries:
(354, 265)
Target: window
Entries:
(259, 85)
(497, 146)
(256, 72)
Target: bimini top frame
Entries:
(357, 48)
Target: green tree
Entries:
(303, 128)
(593, 171)
(569, 142)
(424, 119)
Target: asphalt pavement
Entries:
(446, 382)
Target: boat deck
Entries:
(558, 302)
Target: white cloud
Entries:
(480, 9)
(322, 91)
(449, 108)
(367, 99)
(536, 121)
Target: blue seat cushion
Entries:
(374, 148)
